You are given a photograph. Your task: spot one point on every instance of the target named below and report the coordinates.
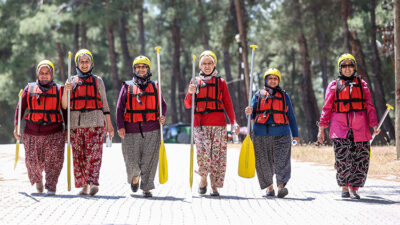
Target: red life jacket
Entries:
(272, 104)
(141, 106)
(349, 96)
(85, 95)
(209, 96)
(44, 107)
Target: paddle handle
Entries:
(158, 48)
(253, 49)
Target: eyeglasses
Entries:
(207, 64)
(347, 66)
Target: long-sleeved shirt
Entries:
(134, 127)
(359, 122)
(214, 118)
(34, 128)
(261, 129)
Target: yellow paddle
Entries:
(247, 160)
(192, 127)
(388, 108)
(18, 128)
(69, 127)
(162, 161)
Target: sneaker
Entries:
(147, 194)
(51, 193)
(135, 187)
(270, 193)
(84, 190)
(93, 189)
(282, 192)
(39, 187)
(354, 195)
(345, 194)
(203, 190)
(214, 193)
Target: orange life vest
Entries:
(209, 96)
(272, 104)
(44, 107)
(349, 96)
(141, 106)
(85, 95)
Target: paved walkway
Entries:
(314, 197)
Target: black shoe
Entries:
(147, 194)
(282, 192)
(214, 193)
(345, 194)
(203, 190)
(270, 193)
(354, 195)
(135, 187)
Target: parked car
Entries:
(177, 133)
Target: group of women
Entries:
(347, 107)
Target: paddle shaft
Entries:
(159, 90)
(192, 109)
(380, 123)
(69, 102)
(19, 115)
(250, 89)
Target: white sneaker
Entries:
(93, 189)
(52, 193)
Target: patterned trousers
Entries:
(351, 161)
(272, 155)
(87, 150)
(44, 153)
(211, 143)
(141, 157)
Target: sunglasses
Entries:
(347, 66)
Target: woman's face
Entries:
(207, 65)
(141, 69)
(347, 68)
(84, 64)
(273, 80)
(44, 74)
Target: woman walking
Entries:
(349, 109)
(90, 116)
(211, 100)
(44, 136)
(138, 123)
(274, 124)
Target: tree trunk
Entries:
(356, 50)
(377, 78)
(76, 37)
(83, 35)
(321, 49)
(397, 72)
(176, 38)
(125, 50)
(240, 15)
(203, 24)
(113, 60)
(61, 61)
(345, 11)
(310, 106)
(141, 29)
(227, 66)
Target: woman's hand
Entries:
(297, 139)
(162, 120)
(121, 133)
(321, 135)
(110, 129)
(376, 130)
(248, 110)
(18, 137)
(68, 86)
(235, 127)
(192, 88)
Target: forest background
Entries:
(302, 38)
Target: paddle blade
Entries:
(69, 166)
(16, 154)
(247, 162)
(191, 168)
(162, 164)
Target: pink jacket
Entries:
(358, 121)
